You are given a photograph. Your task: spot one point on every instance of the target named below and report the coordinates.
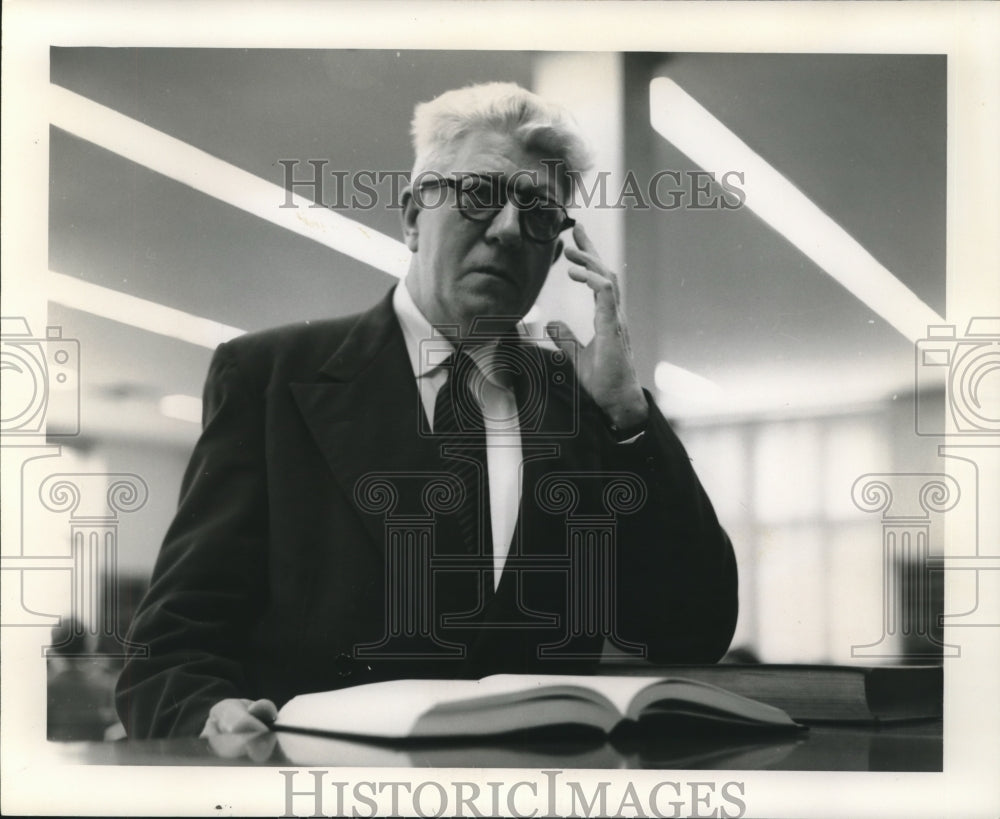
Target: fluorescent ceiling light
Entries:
(182, 407)
(193, 167)
(135, 312)
(681, 120)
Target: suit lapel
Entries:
(364, 412)
(365, 415)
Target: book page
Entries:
(386, 709)
(392, 709)
(619, 691)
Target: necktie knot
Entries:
(458, 407)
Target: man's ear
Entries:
(409, 219)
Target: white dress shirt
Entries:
(427, 351)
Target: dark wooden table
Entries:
(910, 746)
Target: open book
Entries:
(505, 703)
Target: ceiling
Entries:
(729, 298)
(719, 294)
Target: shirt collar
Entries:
(418, 334)
(426, 348)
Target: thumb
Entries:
(265, 710)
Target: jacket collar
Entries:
(363, 413)
(364, 343)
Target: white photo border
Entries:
(37, 781)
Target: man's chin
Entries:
(491, 302)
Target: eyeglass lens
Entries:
(481, 197)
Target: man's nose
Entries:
(506, 225)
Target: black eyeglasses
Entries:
(480, 198)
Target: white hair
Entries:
(504, 107)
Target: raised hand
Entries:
(604, 366)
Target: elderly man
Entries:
(423, 490)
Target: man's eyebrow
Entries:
(542, 191)
(538, 191)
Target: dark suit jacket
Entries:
(273, 576)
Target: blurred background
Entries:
(778, 338)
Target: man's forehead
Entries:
(503, 156)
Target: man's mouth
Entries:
(498, 272)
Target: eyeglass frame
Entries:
(490, 213)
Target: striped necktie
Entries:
(458, 420)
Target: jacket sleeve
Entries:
(678, 578)
(209, 581)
